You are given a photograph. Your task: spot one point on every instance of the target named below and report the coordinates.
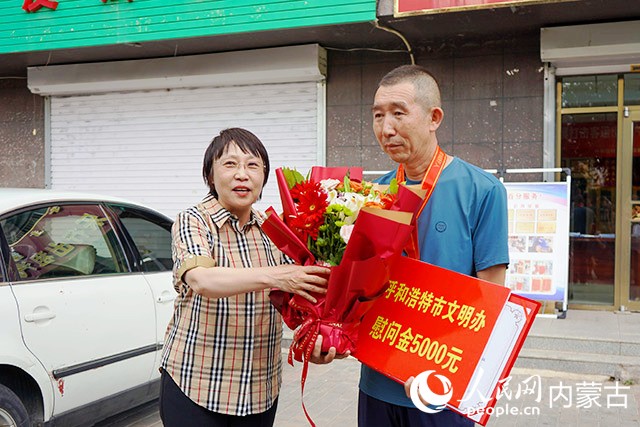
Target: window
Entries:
(151, 235)
(632, 89)
(63, 241)
(589, 91)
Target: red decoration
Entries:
(34, 5)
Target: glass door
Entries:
(599, 140)
(629, 295)
(588, 136)
(589, 150)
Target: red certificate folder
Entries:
(462, 328)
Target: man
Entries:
(463, 227)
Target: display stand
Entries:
(539, 216)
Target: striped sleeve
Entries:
(190, 244)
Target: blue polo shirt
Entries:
(462, 228)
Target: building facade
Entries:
(123, 97)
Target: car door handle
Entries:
(36, 317)
(166, 297)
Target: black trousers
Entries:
(177, 410)
(376, 413)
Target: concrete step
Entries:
(583, 345)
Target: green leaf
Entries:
(292, 177)
(347, 183)
(393, 186)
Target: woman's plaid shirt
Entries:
(223, 353)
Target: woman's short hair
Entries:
(245, 140)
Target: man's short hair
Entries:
(426, 86)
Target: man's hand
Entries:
(407, 387)
(320, 359)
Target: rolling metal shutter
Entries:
(148, 146)
(138, 128)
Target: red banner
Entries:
(464, 330)
(594, 139)
(418, 7)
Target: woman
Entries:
(221, 362)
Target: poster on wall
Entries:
(538, 239)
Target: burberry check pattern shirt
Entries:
(224, 353)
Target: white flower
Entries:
(329, 184)
(345, 232)
(332, 195)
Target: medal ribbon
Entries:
(428, 183)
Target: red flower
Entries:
(311, 203)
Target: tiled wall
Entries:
(492, 96)
(21, 135)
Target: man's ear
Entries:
(436, 118)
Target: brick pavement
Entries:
(331, 394)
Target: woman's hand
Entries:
(301, 279)
(220, 282)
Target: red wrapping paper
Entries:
(318, 173)
(376, 241)
(377, 238)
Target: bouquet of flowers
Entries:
(358, 228)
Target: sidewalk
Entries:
(331, 399)
(534, 397)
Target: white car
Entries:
(85, 298)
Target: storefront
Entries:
(594, 77)
(523, 86)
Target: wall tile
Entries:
(344, 126)
(445, 131)
(20, 105)
(21, 156)
(22, 136)
(523, 75)
(486, 155)
(373, 158)
(523, 119)
(522, 155)
(371, 75)
(477, 121)
(343, 156)
(442, 70)
(478, 77)
(343, 85)
(368, 137)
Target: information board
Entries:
(538, 239)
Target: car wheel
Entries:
(12, 411)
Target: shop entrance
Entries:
(629, 294)
(599, 140)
